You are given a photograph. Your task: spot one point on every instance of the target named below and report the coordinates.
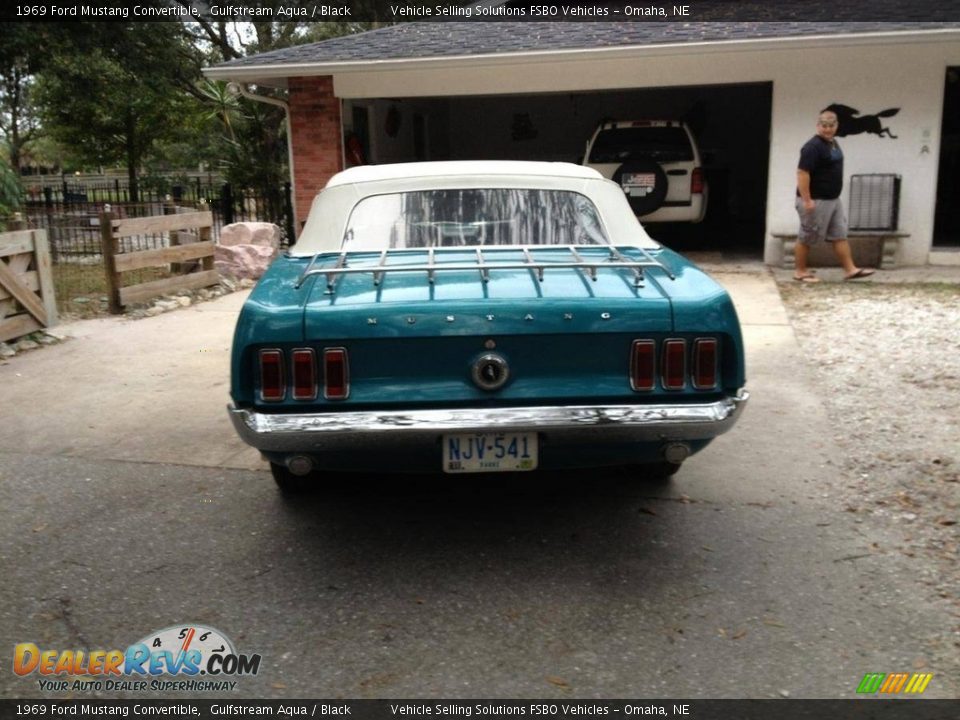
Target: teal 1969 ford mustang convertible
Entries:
(471, 317)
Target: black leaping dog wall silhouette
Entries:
(850, 122)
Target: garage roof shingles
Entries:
(456, 39)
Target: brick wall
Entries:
(315, 127)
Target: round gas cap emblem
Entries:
(490, 371)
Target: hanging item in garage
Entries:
(522, 128)
(392, 124)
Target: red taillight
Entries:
(304, 374)
(643, 365)
(336, 374)
(705, 363)
(272, 387)
(696, 180)
(674, 364)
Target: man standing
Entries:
(822, 217)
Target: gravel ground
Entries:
(887, 360)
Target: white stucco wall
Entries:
(870, 74)
(909, 77)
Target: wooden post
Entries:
(41, 254)
(170, 208)
(108, 246)
(205, 234)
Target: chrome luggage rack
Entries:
(612, 259)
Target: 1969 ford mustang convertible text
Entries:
(471, 317)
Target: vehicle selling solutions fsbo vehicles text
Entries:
(536, 11)
(534, 709)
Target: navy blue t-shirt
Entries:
(824, 161)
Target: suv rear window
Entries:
(667, 144)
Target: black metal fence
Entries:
(70, 213)
(70, 210)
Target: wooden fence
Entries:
(190, 240)
(27, 301)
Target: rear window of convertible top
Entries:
(473, 217)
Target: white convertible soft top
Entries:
(459, 168)
(326, 224)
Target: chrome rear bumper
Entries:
(285, 432)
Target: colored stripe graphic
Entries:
(893, 683)
(918, 683)
(871, 682)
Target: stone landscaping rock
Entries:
(243, 261)
(6, 351)
(250, 233)
(246, 249)
(26, 345)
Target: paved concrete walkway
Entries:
(150, 390)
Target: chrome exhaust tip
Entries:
(676, 452)
(300, 465)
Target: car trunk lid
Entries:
(466, 292)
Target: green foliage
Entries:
(19, 60)
(110, 92)
(131, 94)
(10, 190)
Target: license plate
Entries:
(638, 184)
(647, 180)
(490, 452)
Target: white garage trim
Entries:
(276, 73)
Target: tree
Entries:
(10, 190)
(253, 141)
(19, 61)
(109, 92)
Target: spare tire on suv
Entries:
(644, 182)
(656, 163)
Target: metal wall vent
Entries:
(874, 201)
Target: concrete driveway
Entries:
(155, 389)
(131, 506)
(150, 390)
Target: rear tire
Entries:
(289, 483)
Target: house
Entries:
(751, 92)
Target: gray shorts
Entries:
(827, 221)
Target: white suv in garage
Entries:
(657, 163)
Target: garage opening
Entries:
(946, 224)
(730, 123)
